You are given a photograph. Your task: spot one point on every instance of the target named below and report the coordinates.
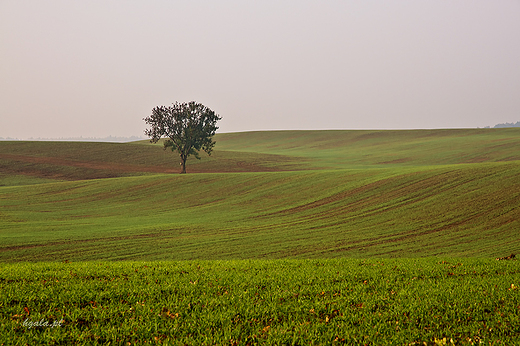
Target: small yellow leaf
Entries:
(440, 342)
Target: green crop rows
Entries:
(278, 238)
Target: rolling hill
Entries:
(276, 194)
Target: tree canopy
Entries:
(189, 128)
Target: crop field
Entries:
(274, 302)
(279, 194)
(318, 237)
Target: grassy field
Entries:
(281, 237)
(263, 151)
(262, 302)
(462, 210)
(280, 194)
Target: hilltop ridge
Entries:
(263, 151)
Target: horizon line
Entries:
(111, 138)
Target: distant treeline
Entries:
(517, 124)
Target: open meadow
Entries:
(279, 237)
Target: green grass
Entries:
(456, 210)
(278, 238)
(79, 161)
(367, 148)
(265, 151)
(453, 206)
(263, 302)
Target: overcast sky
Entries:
(97, 68)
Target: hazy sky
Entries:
(96, 68)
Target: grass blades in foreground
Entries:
(278, 302)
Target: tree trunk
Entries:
(183, 165)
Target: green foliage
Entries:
(189, 127)
(282, 302)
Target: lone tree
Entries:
(189, 127)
